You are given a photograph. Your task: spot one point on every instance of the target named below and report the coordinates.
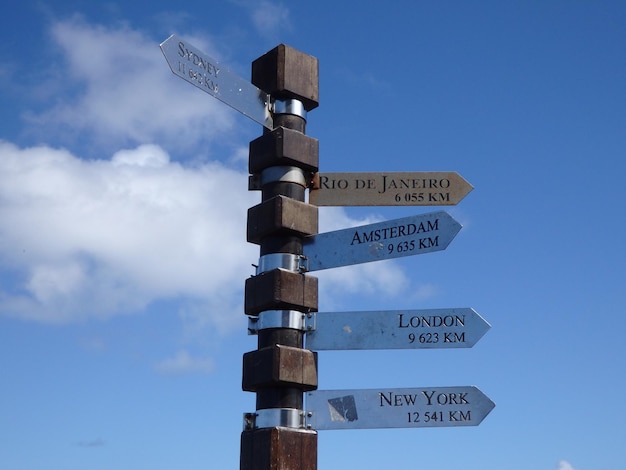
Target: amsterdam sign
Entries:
(397, 238)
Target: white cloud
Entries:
(564, 465)
(183, 363)
(110, 236)
(270, 18)
(121, 91)
(336, 218)
(367, 279)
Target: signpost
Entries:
(430, 407)
(280, 434)
(284, 88)
(206, 73)
(397, 329)
(397, 238)
(388, 189)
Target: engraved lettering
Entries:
(428, 242)
(327, 183)
(410, 399)
(395, 399)
(324, 182)
(203, 70)
(383, 397)
(438, 197)
(458, 415)
(428, 397)
(451, 398)
(431, 321)
(453, 337)
(396, 231)
(416, 183)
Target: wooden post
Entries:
(282, 162)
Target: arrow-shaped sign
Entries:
(397, 408)
(397, 329)
(409, 236)
(206, 73)
(388, 189)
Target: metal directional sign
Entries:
(388, 189)
(397, 329)
(397, 408)
(206, 73)
(384, 240)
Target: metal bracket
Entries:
(283, 174)
(288, 261)
(277, 174)
(290, 106)
(254, 182)
(274, 417)
(291, 319)
(309, 419)
(315, 181)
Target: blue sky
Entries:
(122, 237)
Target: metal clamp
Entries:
(309, 420)
(290, 106)
(291, 319)
(277, 174)
(288, 261)
(283, 174)
(274, 417)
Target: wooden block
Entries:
(279, 366)
(285, 72)
(281, 215)
(278, 449)
(279, 289)
(284, 147)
